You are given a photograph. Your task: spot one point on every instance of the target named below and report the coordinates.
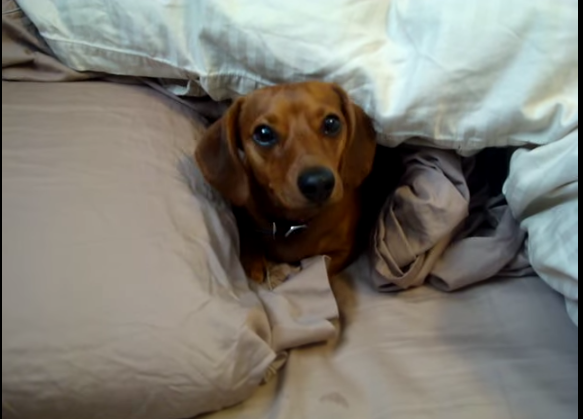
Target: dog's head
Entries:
(301, 146)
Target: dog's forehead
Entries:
(292, 98)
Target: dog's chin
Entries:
(297, 207)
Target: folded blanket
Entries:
(446, 223)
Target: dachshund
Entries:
(292, 159)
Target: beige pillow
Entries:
(122, 293)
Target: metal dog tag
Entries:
(291, 231)
(295, 229)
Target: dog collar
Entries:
(284, 230)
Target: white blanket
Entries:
(543, 191)
(464, 74)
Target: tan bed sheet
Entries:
(503, 350)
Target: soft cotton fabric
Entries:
(25, 54)
(543, 191)
(461, 75)
(122, 293)
(111, 264)
(502, 350)
(446, 223)
(491, 245)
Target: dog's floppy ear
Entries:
(218, 157)
(361, 148)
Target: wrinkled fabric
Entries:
(491, 246)
(502, 350)
(300, 310)
(122, 292)
(444, 226)
(420, 220)
(462, 75)
(543, 192)
(27, 57)
(25, 54)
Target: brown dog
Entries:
(292, 159)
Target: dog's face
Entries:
(300, 146)
(293, 140)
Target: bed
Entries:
(122, 294)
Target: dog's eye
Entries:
(332, 126)
(265, 136)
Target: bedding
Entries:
(122, 294)
(461, 75)
(447, 223)
(501, 350)
(543, 190)
(25, 54)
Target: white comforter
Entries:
(465, 74)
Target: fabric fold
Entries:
(447, 224)
(419, 222)
(25, 54)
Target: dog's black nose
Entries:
(317, 184)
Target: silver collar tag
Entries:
(291, 231)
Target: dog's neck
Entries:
(283, 230)
(261, 217)
(275, 221)
(278, 227)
